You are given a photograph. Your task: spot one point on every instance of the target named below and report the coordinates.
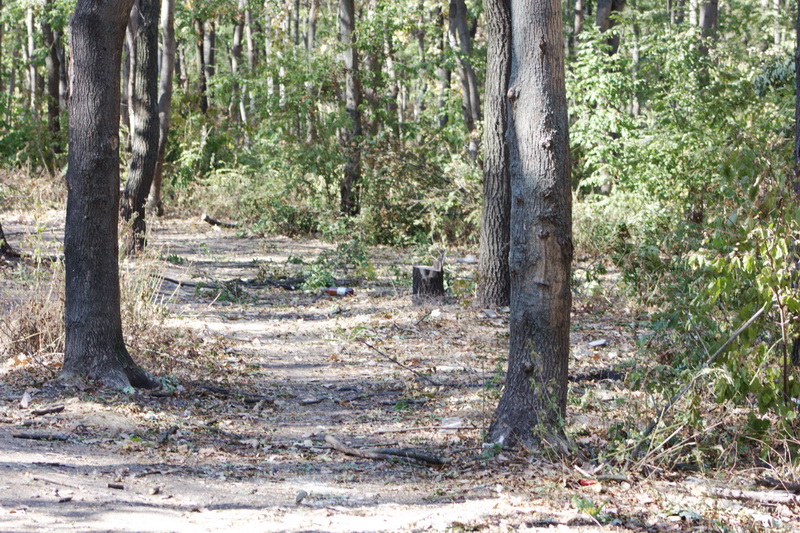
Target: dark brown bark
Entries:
(144, 123)
(493, 280)
(351, 134)
(94, 346)
(533, 405)
(168, 62)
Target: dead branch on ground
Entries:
(387, 454)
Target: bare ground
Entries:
(256, 377)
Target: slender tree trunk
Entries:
(52, 66)
(578, 15)
(31, 52)
(797, 102)
(144, 123)
(461, 41)
(210, 49)
(533, 405)
(236, 107)
(422, 88)
(313, 15)
(351, 134)
(168, 62)
(393, 107)
(127, 66)
(94, 346)
(443, 74)
(494, 281)
(63, 72)
(199, 27)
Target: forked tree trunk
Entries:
(144, 124)
(493, 279)
(168, 62)
(351, 134)
(94, 347)
(533, 405)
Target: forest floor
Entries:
(257, 376)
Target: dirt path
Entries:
(259, 375)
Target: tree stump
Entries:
(428, 283)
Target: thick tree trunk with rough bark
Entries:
(493, 279)
(154, 204)
(351, 134)
(94, 347)
(144, 124)
(533, 404)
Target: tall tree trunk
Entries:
(63, 71)
(578, 15)
(313, 15)
(94, 346)
(605, 17)
(494, 281)
(461, 41)
(236, 108)
(351, 134)
(443, 74)
(53, 75)
(393, 109)
(168, 62)
(533, 405)
(127, 67)
(2, 35)
(33, 76)
(210, 49)
(199, 27)
(797, 102)
(144, 123)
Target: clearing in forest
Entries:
(291, 410)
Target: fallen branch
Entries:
(48, 410)
(398, 363)
(749, 495)
(637, 450)
(40, 436)
(386, 454)
(424, 428)
(214, 222)
(773, 483)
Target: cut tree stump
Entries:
(428, 282)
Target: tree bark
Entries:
(210, 49)
(168, 62)
(461, 41)
(605, 20)
(127, 66)
(236, 109)
(63, 71)
(351, 134)
(53, 71)
(199, 27)
(144, 123)
(94, 346)
(494, 281)
(443, 73)
(797, 102)
(533, 405)
(31, 52)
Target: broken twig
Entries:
(398, 363)
(48, 410)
